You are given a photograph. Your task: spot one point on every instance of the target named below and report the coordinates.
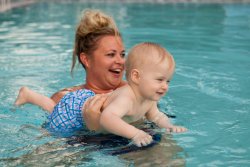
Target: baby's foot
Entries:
(22, 96)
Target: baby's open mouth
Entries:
(160, 93)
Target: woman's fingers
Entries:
(93, 99)
(99, 103)
(96, 102)
(92, 111)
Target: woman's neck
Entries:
(96, 89)
(99, 90)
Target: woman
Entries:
(99, 46)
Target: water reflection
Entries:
(83, 149)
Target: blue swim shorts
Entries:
(67, 114)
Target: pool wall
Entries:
(6, 5)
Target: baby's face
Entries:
(154, 79)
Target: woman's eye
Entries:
(123, 55)
(159, 79)
(111, 54)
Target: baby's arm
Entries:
(111, 121)
(162, 120)
(27, 95)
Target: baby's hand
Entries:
(142, 138)
(176, 129)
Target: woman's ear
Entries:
(84, 59)
(135, 76)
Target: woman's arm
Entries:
(56, 97)
(92, 111)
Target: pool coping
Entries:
(6, 5)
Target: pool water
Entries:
(209, 93)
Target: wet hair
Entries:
(147, 53)
(93, 26)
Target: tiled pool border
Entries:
(6, 5)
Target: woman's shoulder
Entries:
(56, 97)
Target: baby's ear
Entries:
(84, 59)
(135, 76)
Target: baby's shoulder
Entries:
(124, 93)
(120, 97)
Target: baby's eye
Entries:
(159, 79)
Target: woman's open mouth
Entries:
(116, 71)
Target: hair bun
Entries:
(95, 20)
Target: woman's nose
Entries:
(119, 59)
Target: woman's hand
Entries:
(92, 111)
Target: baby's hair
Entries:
(92, 27)
(147, 53)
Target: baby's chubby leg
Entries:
(27, 95)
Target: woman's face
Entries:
(106, 64)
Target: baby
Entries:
(149, 68)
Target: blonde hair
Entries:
(92, 27)
(147, 53)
